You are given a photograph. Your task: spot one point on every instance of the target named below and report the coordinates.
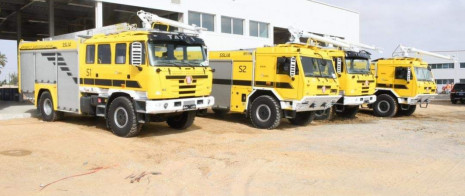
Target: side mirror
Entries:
(136, 53)
(408, 74)
(206, 62)
(339, 65)
(292, 68)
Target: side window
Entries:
(401, 73)
(90, 54)
(143, 54)
(104, 54)
(120, 56)
(283, 65)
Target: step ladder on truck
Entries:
(127, 75)
(352, 61)
(403, 82)
(267, 84)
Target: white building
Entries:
(236, 24)
(446, 71)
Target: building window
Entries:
(232, 25)
(90, 54)
(462, 65)
(442, 66)
(258, 29)
(444, 81)
(104, 54)
(120, 56)
(462, 80)
(202, 20)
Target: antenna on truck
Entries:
(296, 34)
(404, 51)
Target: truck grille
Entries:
(365, 89)
(328, 88)
(183, 89)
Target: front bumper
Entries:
(177, 105)
(358, 100)
(457, 96)
(419, 99)
(311, 103)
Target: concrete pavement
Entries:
(13, 109)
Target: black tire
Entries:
(303, 118)
(454, 101)
(411, 109)
(202, 112)
(327, 114)
(46, 108)
(182, 121)
(385, 106)
(122, 118)
(265, 112)
(348, 111)
(220, 112)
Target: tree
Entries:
(3, 61)
(13, 78)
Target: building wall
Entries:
(456, 74)
(302, 14)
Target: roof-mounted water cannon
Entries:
(404, 51)
(361, 45)
(148, 19)
(296, 34)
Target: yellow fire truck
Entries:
(403, 82)
(356, 82)
(125, 74)
(269, 83)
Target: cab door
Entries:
(112, 66)
(287, 84)
(403, 82)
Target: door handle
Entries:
(117, 72)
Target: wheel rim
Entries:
(384, 106)
(48, 107)
(263, 113)
(121, 117)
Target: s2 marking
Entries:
(242, 68)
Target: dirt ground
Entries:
(419, 155)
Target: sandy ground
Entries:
(419, 155)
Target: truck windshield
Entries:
(423, 74)
(316, 67)
(172, 54)
(358, 66)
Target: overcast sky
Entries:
(425, 24)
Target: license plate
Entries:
(461, 94)
(188, 107)
(366, 100)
